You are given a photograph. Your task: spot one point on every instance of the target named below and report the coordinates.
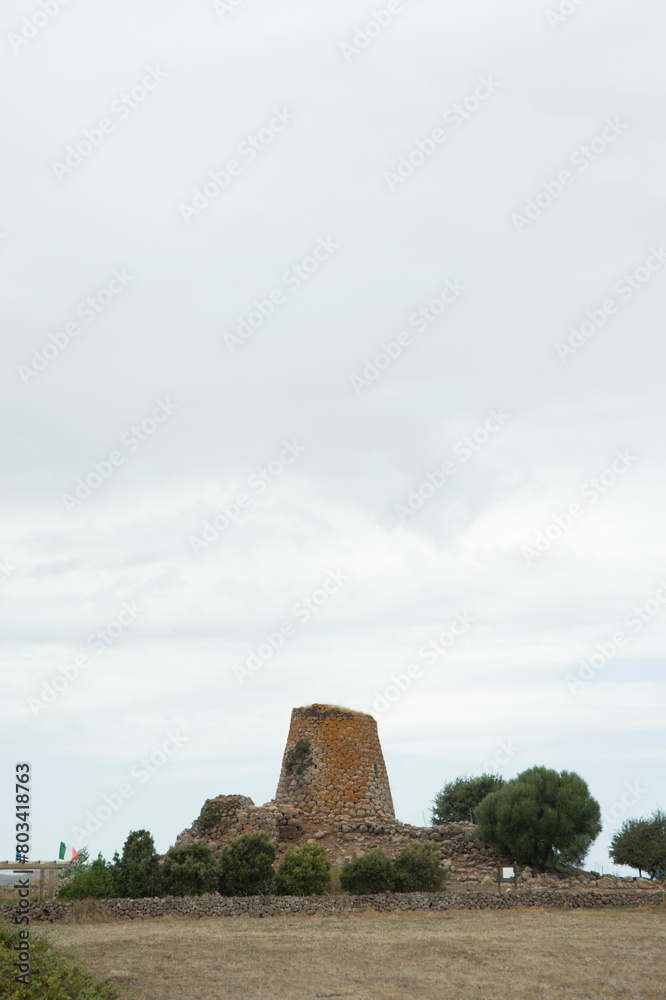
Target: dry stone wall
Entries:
(195, 907)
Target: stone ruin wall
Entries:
(466, 859)
(343, 801)
(469, 862)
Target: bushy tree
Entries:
(138, 872)
(417, 869)
(92, 882)
(246, 866)
(458, 799)
(541, 817)
(371, 872)
(189, 870)
(641, 844)
(657, 866)
(304, 871)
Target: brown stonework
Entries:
(347, 780)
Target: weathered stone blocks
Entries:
(347, 780)
(276, 906)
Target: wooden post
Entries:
(48, 874)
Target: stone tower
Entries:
(333, 768)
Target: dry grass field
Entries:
(455, 955)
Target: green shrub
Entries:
(246, 866)
(189, 870)
(417, 869)
(371, 872)
(458, 799)
(336, 888)
(138, 873)
(93, 882)
(541, 817)
(211, 816)
(305, 871)
(53, 976)
(298, 758)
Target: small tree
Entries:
(458, 799)
(541, 817)
(304, 871)
(371, 872)
(189, 870)
(417, 869)
(93, 882)
(657, 866)
(641, 844)
(79, 864)
(138, 872)
(246, 866)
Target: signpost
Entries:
(506, 874)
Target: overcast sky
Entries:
(329, 329)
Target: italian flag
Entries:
(67, 853)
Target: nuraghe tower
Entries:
(333, 788)
(343, 774)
